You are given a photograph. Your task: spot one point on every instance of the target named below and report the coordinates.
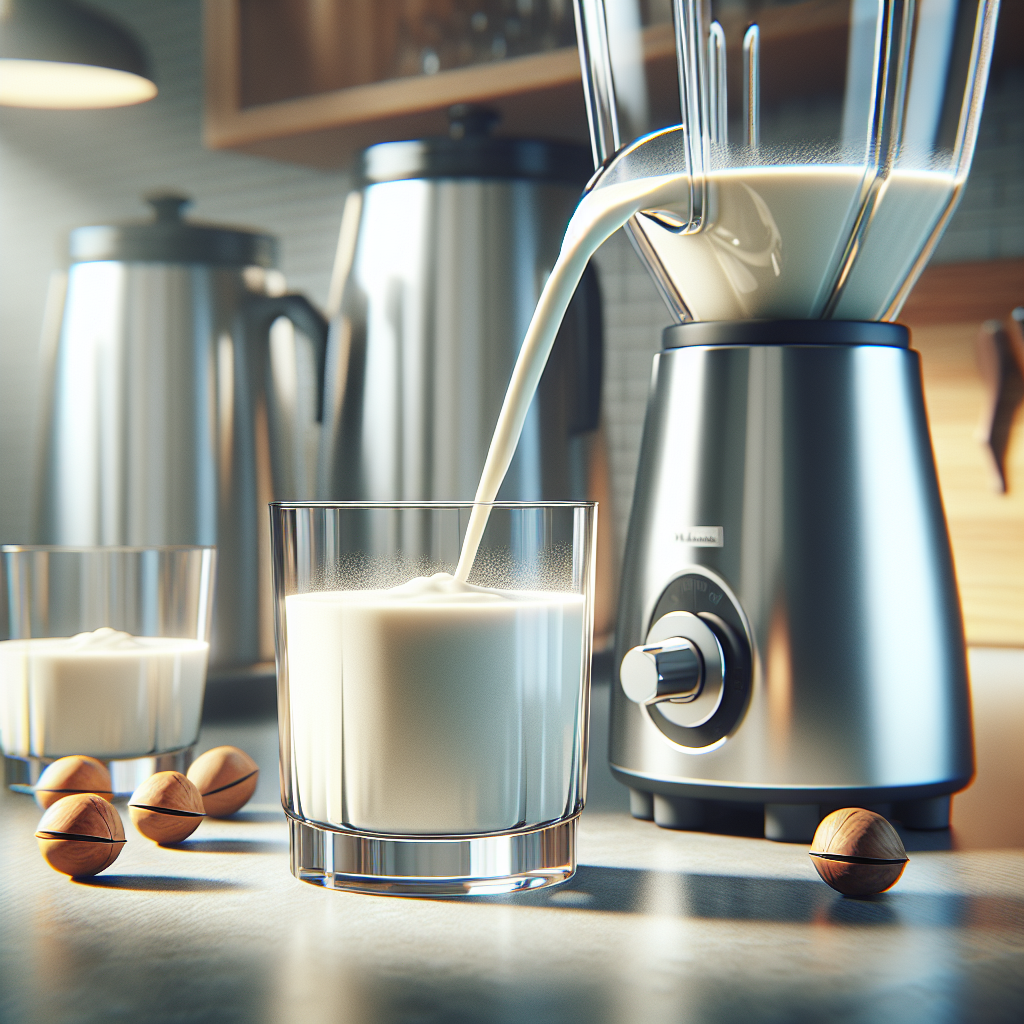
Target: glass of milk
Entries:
(433, 731)
(106, 655)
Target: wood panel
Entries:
(339, 105)
(945, 312)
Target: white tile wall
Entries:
(60, 170)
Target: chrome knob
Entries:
(671, 669)
(679, 673)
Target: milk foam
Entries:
(104, 693)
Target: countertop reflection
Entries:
(655, 926)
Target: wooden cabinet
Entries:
(312, 81)
(945, 313)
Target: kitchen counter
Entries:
(655, 926)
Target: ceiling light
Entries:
(56, 54)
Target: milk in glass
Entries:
(105, 693)
(436, 707)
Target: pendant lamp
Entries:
(60, 55)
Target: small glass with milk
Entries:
(106, 656)
(433, 724)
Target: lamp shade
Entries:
(57, 54)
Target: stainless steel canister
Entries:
(161, 428)
(453, 240)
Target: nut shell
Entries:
(857, 852)
(166, 808)
(75, 774)
(226, 777)
(80, 834)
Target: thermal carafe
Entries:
(454, 239)
(789, 637)
(162, 428)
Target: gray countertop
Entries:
(655, 926)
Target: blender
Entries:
(789, 638)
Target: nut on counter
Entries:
(80, 834)
(226, 777)
(75, 774)
(166, 808)
(858, 852)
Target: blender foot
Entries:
(791, 823)
(932, 813)
(641, 805)
(679, 812)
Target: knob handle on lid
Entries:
(671, 669)
(168, 206)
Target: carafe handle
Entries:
(261, 311)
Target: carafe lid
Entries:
(470, 151)
(168, 238)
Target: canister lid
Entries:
(168, 238)
(470, 151)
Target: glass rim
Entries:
(428, 505)
(86, 549)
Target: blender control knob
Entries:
(671, 669)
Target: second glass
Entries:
(107, 657)
(433, 735)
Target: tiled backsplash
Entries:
(60, 170)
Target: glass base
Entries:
(126, 775)
(404, 866)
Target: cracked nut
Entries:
(226, 777)
(858, 852)
(166, 808)
(74, 774)
(80, 834)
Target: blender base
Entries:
(781, 822)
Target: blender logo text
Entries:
(701, 536)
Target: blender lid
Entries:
(168, 238)
(470, 151)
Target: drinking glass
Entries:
(134, 703)
(433, 744)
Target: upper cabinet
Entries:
(313, 81)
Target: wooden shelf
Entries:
(538, 95)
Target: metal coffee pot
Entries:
(163, 424)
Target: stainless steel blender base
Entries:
(787, 489)
(779, 819)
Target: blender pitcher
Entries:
(789, 638)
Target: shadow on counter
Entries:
(779, 900)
